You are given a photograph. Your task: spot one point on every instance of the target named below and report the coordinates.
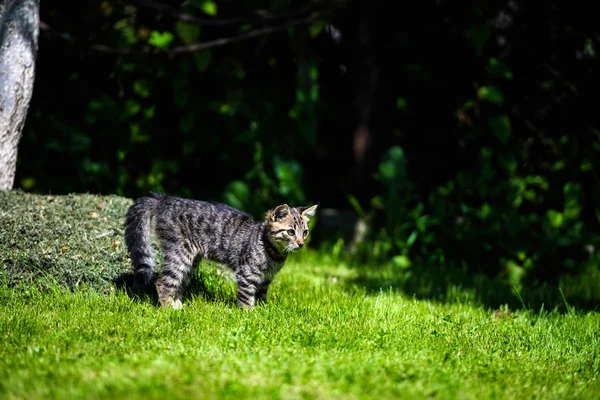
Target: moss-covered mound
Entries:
(74, 239)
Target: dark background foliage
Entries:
(465, 134)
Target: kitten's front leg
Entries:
(247, 286)
(261, 293)
(176, 273)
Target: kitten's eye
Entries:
(290, 232)
(305, 232)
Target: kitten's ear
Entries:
(278, 213)
(308, 212)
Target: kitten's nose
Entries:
(300, 245)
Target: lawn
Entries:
(68, 331)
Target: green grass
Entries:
(314, 340)
(67, 331)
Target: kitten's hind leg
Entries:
(176, 273)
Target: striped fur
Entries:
(190, 230)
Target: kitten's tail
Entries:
(137, 237)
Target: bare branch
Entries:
(191, 47)
(252, 34)
(262, 15)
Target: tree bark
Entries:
(19, 28)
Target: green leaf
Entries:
(313, 72)
(237, 194)
(401, 103)
(300, 96)
(136, 136)
(586, 165)
(516, 273)
(573, 194)
(314, 93)
(479, 35)
(289, 177)
(209, 7)
(160, 40)
(186, 124)
(202, 59)
(412, 238)
(316, 28)
(377, 202)
(188, 33)
(355, 204)
(132, 107)
(226, 109)
(558, 166)
(293, 113)
(501, 127)
(469, 104)
(485, 211)
(402, 262)
(492, 94)
(141, 88)
(496, 68)
(555, 217)
(508, 161)
(149, 112)
(28, 183)
(393, 168)
(127, 31)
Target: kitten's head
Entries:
(288, 226)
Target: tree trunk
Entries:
(19, 27)
(368, 77)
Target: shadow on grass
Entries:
(148, 294)
(204, 284)
(453, 285)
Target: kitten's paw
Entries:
(176, 304)
(244, 306)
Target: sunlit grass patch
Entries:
(329, 331)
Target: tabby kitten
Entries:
(190, 230)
